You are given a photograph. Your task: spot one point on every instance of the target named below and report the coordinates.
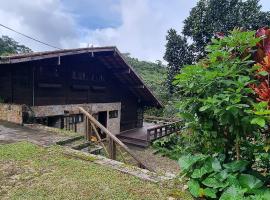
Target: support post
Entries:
(155, 133)
(87, 129)
(148, 135)
(112, 149)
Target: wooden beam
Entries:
(112, 147)
(113, 137)
(99, 138)
(137, 87)
(59, 60)
(121, 71)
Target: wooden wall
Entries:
(76, 80)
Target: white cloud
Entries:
(145, 25)
(43, 19)
(142, 30)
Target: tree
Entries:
(178, 53)
(217, 103)
(10, 46)
(211, 16)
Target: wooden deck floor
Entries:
(138, 136)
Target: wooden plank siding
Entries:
(75, 81)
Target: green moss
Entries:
(179, 194)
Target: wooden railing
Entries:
(113, 140)
(163, 130)
(164, 119)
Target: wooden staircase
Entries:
(79, 143)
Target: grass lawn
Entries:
(28, 171)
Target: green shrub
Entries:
(211, 178)
(223, 118)
(216, 102)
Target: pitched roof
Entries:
(109, 56)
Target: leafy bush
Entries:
(176, 144)
(170, 146)
(216, 103)
(225, 116)
(211, 178)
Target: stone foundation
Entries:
(11, 113)
(20, 114)
(113, 124)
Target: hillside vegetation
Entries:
(153, 74)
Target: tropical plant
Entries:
(216, 103)
(211, 178)
(262, 89)
(227, 119)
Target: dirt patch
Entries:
(8, 170)
(158, 162)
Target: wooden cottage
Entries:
(48, 87)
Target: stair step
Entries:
(96, 149)
(70, 140)
(81, 146)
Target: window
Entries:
(97, 77)
(113, 114)
(74, 119)
(79, 75)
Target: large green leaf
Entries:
(185, 162)
(238, 165)
(213, 182)
(232, 179)
(205, 169)
(210, 192)
(216, 165)
(198, 173)
(250, 182)
(222, 175)
(259, 121)
(204, 108)
(194, 188)
(232, 193)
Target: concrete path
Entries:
(10, 133)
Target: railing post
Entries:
(160, 131)
(86, 128)
(155, 133)
(148, 135)
(112, 149)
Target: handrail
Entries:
(161, 126)
(160, 118)
(163, 130)
(114, 138)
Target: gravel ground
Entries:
(157, 162)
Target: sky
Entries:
(138, 27)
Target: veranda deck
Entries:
(142, 137)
